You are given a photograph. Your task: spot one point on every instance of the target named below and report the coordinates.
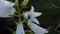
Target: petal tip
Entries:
(32, 8)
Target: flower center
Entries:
(28, 17)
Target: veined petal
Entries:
(26, 15)
(20, 29)
(36, 14)
(36, 29)
(44, 30)
(34, 20)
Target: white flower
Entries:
(36, 29)
(20, 29)
(6, 8)
(31, 15)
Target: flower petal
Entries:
(36, 29)
(12, 11)
(4, 0)
(8, 3)
(35, 20)
(26, 15)
(36, 14)
(32, 9)
(6, 8)
(20, 29)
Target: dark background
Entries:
(50, 14)
(50, 10)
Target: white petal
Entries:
(13, 11)
(1, 13)
(6, 9)
(8, 3)
(34, 20)
(20, 29)
(36, 29)
(32, 9)
(4, 0)
(26, 15)
(36, 14)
